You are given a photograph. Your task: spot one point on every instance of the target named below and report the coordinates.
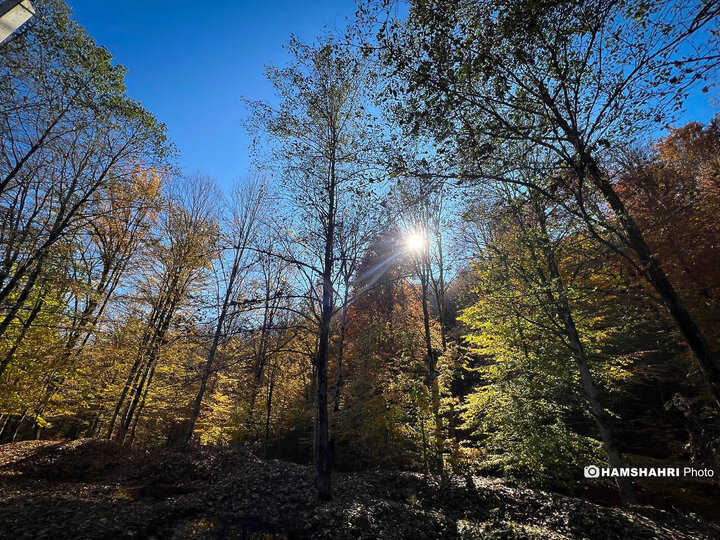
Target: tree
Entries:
(422, 210)
(125, 213)
(323, 133)
(243, 213)
(671, 190)
(541, 230)
(386, 398)
(187, 235)
(73, 148)
(483, 75)
(68, 130)
(271, 327)
(358, 225)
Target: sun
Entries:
(415, 242)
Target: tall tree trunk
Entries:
(706, 359)
(94, 427)
(251, 406)
(129, 384)
(131, 437)
(426, 466)
(129, 412)
(160, 325)
(324, 458)
(5, 420)
(602, 419)
(439, 288)
(339, 382)
(558, 300)
(325, 445)
(16, 428)
(207, 368)
(455, 452)
(39, 302)
(313, 397)
(432, 368)
(268, 410)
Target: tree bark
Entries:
(325, 446)
(207, 368)
(25, 327)
(339, 382)
(324, 460)
(432, 365)
(706, 359)
(268, 410)
(140, 408)
(557, 298)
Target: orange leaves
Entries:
(674, 194)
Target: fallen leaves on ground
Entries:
(97, 489)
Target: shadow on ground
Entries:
(96, 489)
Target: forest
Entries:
(476, 256)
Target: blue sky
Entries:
(189, 62)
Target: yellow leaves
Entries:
(147, 183)
(620, 367)
(122, 494)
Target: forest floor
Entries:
(97, 489)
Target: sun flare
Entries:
(415, 242)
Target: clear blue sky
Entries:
(190, 62)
